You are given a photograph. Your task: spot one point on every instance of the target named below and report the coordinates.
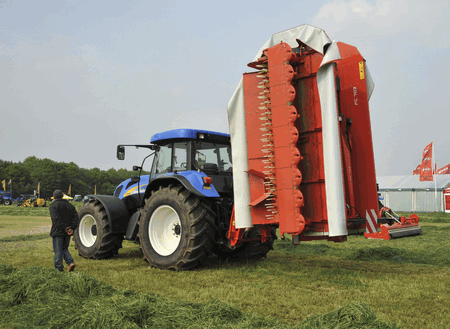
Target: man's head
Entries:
(58, 194)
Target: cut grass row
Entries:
(42, 297)
(406, 281)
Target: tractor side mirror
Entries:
(120, 152)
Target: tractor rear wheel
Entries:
(93, 238)
(7, 202)
(175, 229)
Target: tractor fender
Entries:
(116, 210)
(192, 180)
(133, 227)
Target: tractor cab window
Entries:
(170, 157)
(162, 160)
(179, 159)
(212, 157)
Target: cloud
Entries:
(47, 103)
(208, 118)
(123, 72)
(178, 90)
(386, 19)
(404, 43)
(59, 91)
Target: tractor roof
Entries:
(189, 134)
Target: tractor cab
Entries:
(188, 153)
(200, 160)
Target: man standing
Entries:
(64, 220)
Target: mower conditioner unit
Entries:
(299, 158)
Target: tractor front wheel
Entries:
(93, 238)
(174, 229)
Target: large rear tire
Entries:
(175, 230)
(93, 238)
(7, 202)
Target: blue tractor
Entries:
(6, 198)
(179, 214)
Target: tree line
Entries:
(51, 175)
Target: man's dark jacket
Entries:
(63, 214)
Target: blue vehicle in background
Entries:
(179, 213)
(6, 198)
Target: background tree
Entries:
(52, 175)
(19, 177)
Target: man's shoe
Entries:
(71, 267)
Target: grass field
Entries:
(404, 281)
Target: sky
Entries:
(77, 78)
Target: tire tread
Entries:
(110, 243)
(198, 247)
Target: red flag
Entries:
(426, 167)
(417, 170)
(444, 170)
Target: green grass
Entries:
(14, 210)
(23, 225)
(431, 217)
(406, 281)
(42, 297)
(25, 220)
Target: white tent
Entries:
(407, 193)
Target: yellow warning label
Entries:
(361, 70)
